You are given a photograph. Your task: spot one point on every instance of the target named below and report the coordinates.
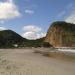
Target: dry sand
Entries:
(26, 62)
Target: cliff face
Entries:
(61, 34)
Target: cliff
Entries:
(61, 34)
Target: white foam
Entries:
(67, 50)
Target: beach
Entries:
(27, 62)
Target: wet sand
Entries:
(26, 62)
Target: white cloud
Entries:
(68, 14)
(71, 18)
(28, 11)
(32, 28)
(33, 32)
(2, 28)
(30, 35)
(8, 10)
(33, 35)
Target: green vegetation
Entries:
(69, 27)
(10, 39)
(39, 43)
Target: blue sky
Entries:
(37, 14)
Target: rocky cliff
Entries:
(61, 34)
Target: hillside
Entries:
(61, 34)
(39, 43)
(10, 39)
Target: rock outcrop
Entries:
(61, 34)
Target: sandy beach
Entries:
(26, 62)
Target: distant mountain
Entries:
(61, 34)
(10, 39)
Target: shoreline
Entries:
(57, 54)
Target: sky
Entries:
(32, 18)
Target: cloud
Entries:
(33, 32)
(32, 28)
(68, 14)
(68, 10)
(8, 10)
(28, 11)
(33, 35)
(2, 28)
(71, 18)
